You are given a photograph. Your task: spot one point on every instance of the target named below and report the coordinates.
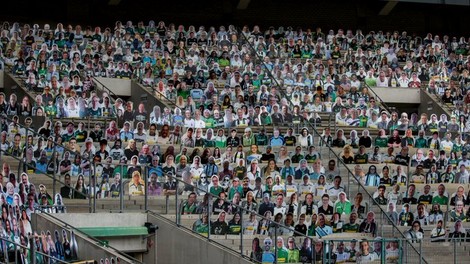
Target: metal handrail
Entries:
(172, 102)
(232, 204)
(209, 213)
(33, 252)
(382, 102)
(52, 177)
(23, 79)
(210, 240)
(438, 99)
(36, 134)
(114, 96)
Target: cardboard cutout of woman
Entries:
(66, 245)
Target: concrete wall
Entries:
(398, 95)
(172, 241)
(118, 86)
(429, 105)
(88, 249)
(126, 244)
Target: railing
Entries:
(274, 229)
(105, 119)
(153, 92)
(339, 160)
(104, 87)
(395, 250)
(159, 95)
(88, 121)
(438, 99)
(95, 243)
(382, 103)
(13, 252)
(214, 236)
(56, 178)
(405, 251)
(22, 80)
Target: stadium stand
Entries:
(274, 133)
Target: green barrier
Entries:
(114, 231)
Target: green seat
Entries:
(113, 231)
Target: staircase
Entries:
(171, 238)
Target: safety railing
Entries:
(175, 193)
(106, 88)
(161, 95)
(382, 102)
(56, 185)
(103, 118)
(392, 250)
(89, 124)
(209, 218)
(319, 122)
(175, 196)
(13, 252)
(47, 164)
(436, 97)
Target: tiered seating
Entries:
(287, 73)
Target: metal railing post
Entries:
(94, 188)
(147, 188)
(54, 174)
(312, 245)
(89, 122)
(382, 253)
(382, 225)
(421, 251)
(177, 211)
(400, 251)
(241, 231)
(104, 126)
(16, 251)
(24, 159)
(167, 203)
(275, 242)
(455, 250)
(32, 257)
(405, 246)
(5, 248)
(121, 192)
(90, 196)
(209, 213)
